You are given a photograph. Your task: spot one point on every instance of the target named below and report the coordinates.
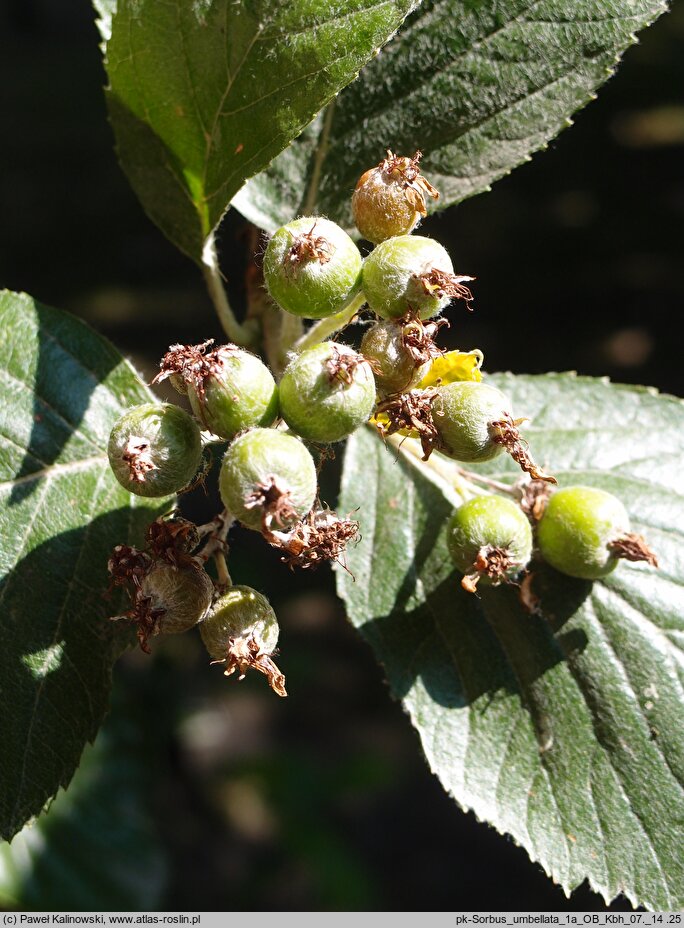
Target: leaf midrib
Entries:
(53, 471)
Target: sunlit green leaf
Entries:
(61, 513)
(561, 729)
(478, 85)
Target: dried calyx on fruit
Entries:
(489, 540)
(411, 273)
(229, 389)
(474, 425)
(155, 449)
(399, 351)
(241, 631)
(173, 539)
(165, 599)
(389, 199)
(268, 479)
(584, 532)
(312, 268)
(322, 536)
(410, 412)
(327, 392)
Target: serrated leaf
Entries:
(105, 10)
(204, 95)
(96, 847)
(61, 513)
(564, 729)
(478, 86)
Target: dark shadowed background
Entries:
(323, 800)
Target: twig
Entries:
(240, 334)
(215, 546)
(329, 326)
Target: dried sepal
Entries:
(173, 539)
(244, 654)
(190, 362)
(127, 565)
(146, 617)
(138, 457)
(443, 284)
(493, 562)
(341, 365)
(633, 547)
(534, 495)
(406, 171)
(322, 536)
(411, 412)
(275, 504)
(505, 432)
(418, 336)
(307, 246)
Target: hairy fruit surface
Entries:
(237, 392)
(241, 631)
(462, 413)
(397, 365)
(489, 540)
(398, 274)
(585, 531)
(268, 479)
(327, 392)
(312, 268)
(389, 199)
(155, 449)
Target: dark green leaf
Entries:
(96, 846)
(61, 513)
(564, 729)
(477, 84)
(204, 95)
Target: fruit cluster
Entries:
(399, 379)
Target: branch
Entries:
(329, 326)
(239, 334)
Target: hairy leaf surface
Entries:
(478, 86)
(61, 513)
(561, 729)
(204, 95)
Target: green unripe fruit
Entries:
(394, 366)
(579, 529)
(462, 413)
(489, 538)
(155, 449)
(241, 612)
(396, 277)
(327, 392)
(268, 479)
(242, 631)
(181, 596)
(236, 391)
(312, 268)
(389, 199)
